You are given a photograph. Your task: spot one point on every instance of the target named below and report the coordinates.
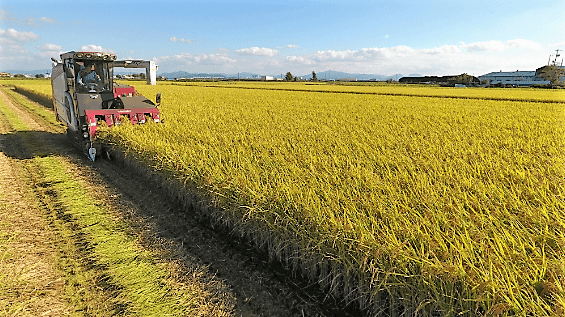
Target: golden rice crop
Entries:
(41, 87)
(416, 204)
(515, 94)
(406, 204)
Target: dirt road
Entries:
(238, 278)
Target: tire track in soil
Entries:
(261, 287)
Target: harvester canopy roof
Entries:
(89, 55)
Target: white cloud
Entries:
(332, 55)
(12, 43)
(95, 48)
(47, 20)
(15, 56)
(557, 44)
(187, 60)
(48, 50)
(49, 47)
(257, 51)
(181, 40)
(498, 46)
(287, 46)
(12, 49)
(475, 58)
(6, 16)
(442, 50)
(524, 44)
(489, 46)
(31, 22)
(369, 54)
(46, 56)
(13, 35)
(303, 60)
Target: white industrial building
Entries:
(517, 78)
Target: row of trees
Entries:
(134, 76)
(553, 73)
(289, 77)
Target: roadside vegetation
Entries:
(407, 200)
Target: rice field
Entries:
(404, 199)
(41, 87)
(521, 94)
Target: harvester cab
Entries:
(85, 95)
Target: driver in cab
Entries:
(88, 75)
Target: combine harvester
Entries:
(84, 95)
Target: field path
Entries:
(238, 277)
(30, 283)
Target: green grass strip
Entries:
(143, 281)
(45, 114)
(12, 118)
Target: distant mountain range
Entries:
(336, 75)
(326, 75)
(28, 72)
(183, 74)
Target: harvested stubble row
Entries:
(405, 204)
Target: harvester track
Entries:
(261, 287)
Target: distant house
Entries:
(267, 78)
(3, 74)
(348, 79)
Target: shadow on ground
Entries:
(24, 145)
(45, 102)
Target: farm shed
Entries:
(517, 78)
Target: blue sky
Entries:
(273, 37)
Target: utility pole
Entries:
(554, 60)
